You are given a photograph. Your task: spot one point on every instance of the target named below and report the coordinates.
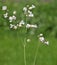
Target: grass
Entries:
(12, 41)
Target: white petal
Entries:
(28, 40)
(41, 34)
(30, 8)
(25, 9)
(11, 25)
(41, 39)
(33, 6)
(14, 17)
(28, 26)
(31, 15)
(10, 18)
(6, 15)
(15, 27)
(22, 22)
(29, 12)
(46, 42)
(20, 25)
(4, 7)
(33, 26)
(14, 12)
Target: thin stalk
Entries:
(24, 54)
(25, 44)
(36, 54)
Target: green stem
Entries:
(38, 45)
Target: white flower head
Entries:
(4, 7)
(11, 25)
(14, 17)
(14, 12)
(10, 19)
(46, 42)
(28, 26)
(33, 6)
(28, 40)
(5, 15)
(31, 15)
(41, 34)
(25, 9)
(27, 5)
(20, 25)
(15, 27)
(41, 39)
(29, 12)
(33, 26)
(30, 8)
(22, 22)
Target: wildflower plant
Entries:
(28, 14)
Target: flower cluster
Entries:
(11, 19)
(4, 8)
(31, 26)
(42, 39)
(28, 13)
(18, 25)
(27, 10)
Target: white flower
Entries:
(30, 8)
(41, 34)
(11, 25)
(14, 17)
(15, 27)
(22, 22)
(25, 9)
(41, 39)
(4, 7)
(10, 19)
(33, 26)
(31, 15)
(29, 12)
(20, 25)
(28, 26)
(26, 14)
(6, 15)
(27, 5)
(46, 42)
(14, 12)
(28, 40)
(33, 6)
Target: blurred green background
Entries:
(11, 41)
